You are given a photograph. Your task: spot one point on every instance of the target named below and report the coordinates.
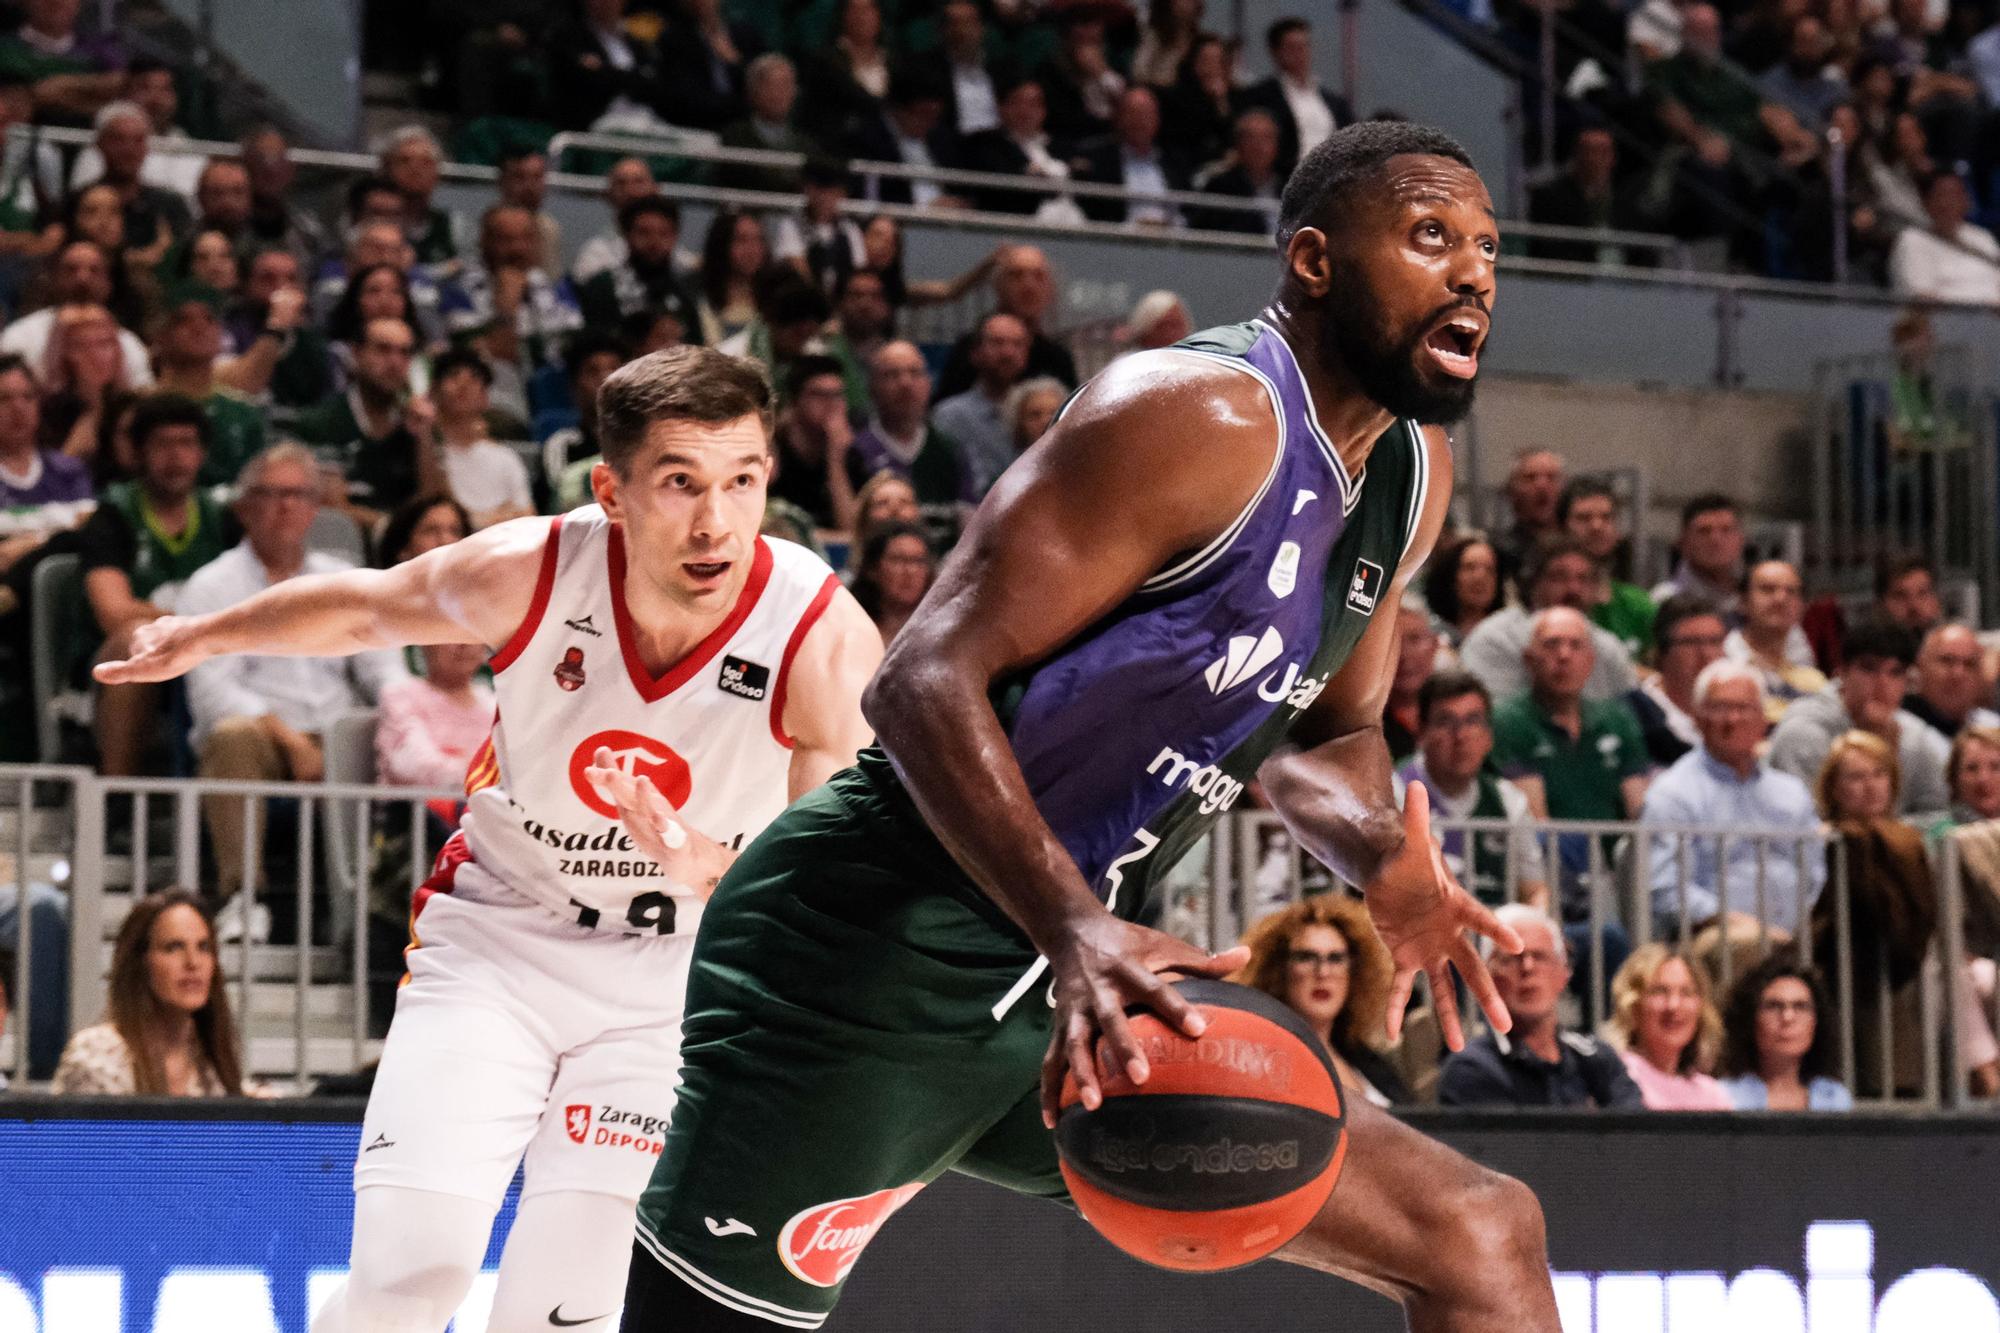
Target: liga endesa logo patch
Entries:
(821, 1244)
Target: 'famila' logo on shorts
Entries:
(1365, 589)
(820, 1244)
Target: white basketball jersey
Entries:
(709, 732)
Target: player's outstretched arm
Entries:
(1155, 458)
(473, 591)
(1331, 784)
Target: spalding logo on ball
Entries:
(1226, 1151)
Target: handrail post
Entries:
(1836, 177)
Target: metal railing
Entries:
(1883, 488)
(333, 844)
(1614, 886)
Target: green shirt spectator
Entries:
(1581, 776)
(1627, 614)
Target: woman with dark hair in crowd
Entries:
(848, 78)
(1321, 957)
(882, 255)
(1666, 1027)
(1463, 586)
(169, 1032)
(97, 214)
(1171, 31)
(420, 525)
(1198, 113)
(733, 253)
(1778, 1040)
(209, 258)
(896, 569)
(377, 291)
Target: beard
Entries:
(1391, 373)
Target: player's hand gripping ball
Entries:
(1225, 1152)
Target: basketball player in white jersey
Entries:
(655, 635)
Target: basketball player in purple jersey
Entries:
(1188, 585)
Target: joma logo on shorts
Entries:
(1218, 791)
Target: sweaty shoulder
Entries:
(1185, 439)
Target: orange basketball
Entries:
(1229, 1148)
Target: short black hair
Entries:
(139, 65)
(1708, 502)
(1895, 569)
(1282, 29)
(811, 368)
(1548, 548)
(1585, 488)
(909, 84)
(592, 342)
(846, 280)
(11, 362)
(789, 302)
(157, 411)
(364, 186)
(1676, 610)
(1878, 639)
(1347, 161)
(1443, 687)
(648, 204)
(461, 358)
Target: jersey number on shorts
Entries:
(648, 911)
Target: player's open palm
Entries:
(1103, 967)
(1427, 921)
(648, 818)
(161, 650)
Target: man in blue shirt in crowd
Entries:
(1724, 782)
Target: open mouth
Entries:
(706, 571)
(1454, 343)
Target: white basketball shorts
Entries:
(522, 1035)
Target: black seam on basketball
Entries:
(1229, 995)
(1197, 1153)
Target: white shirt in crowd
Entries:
(304, 692)
(28, 338)
(1924, 264)
(792, 235)
(1309, 109)
(486, 476)
(1144, 175)
(978, 106)
(168, 165)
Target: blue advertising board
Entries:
(233, 1218)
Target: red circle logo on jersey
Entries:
(640, 755)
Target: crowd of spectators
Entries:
(1821, 733)
(206, 387)
(1781, 132)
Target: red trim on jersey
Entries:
(653, 689)
(443, 879)
(820, 601)
(545, 583)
